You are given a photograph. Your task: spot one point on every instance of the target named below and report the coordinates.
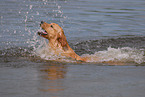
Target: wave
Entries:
(16, 52)
(125, 54)
(91, 46)
(115, 50)
(120, 54)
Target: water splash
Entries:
(45, 52)
(41, 48)
(51, 14)
(125, 54)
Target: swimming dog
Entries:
(57, 40)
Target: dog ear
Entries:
(62, 40)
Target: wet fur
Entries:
(58, 41)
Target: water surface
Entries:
(111, 29)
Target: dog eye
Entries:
(51, 26)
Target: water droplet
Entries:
(31, 6)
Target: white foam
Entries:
(125, 54)
(43, 50)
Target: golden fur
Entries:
(57, 40)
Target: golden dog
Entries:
(57, 40)
(58, 43)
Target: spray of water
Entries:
(125, 54)
(39, 44)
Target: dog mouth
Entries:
(42, 33)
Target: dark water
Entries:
(111, 29)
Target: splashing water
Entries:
(125, 54)
(42, 49)
(39, 45)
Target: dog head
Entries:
(53, 32)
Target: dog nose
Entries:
(42, 22)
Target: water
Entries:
(114, 30)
